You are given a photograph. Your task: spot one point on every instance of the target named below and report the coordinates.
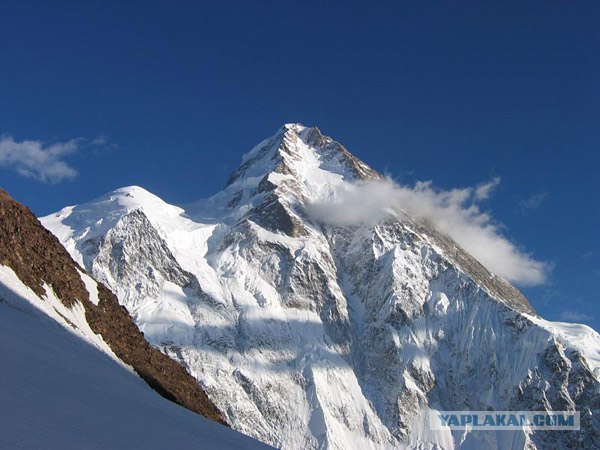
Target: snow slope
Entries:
(308, 335)
(62, 387)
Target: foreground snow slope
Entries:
(60, 389)
(309, 335)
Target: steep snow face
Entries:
(50, 360)
(314, 336)
(71, 318)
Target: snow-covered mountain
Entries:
(76, 371)
(311, 335)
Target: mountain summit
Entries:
(300, 151)
(313, 335)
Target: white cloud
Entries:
(36, 160)
(483, 191)
(455, 212)
(534, 201)
(574, 316)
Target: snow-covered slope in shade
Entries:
(308, 335)
(62, 387)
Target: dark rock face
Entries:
(334, 149)
(275, 216)
(37, 258)
(134, 241)
(35, 254)
(563, 381)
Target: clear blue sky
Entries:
(454, 92)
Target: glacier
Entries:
(314, 335)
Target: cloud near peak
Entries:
(455, 212)
(34, 159)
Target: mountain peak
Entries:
(303, 153)
(294, 127)
(129, 198)
(132, 196)
(96, 217)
